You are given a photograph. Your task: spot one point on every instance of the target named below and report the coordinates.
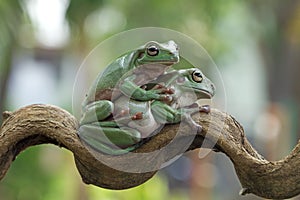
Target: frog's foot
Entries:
(137, 116)
(144, 87)
(167, 99)
(163, 89)
(195, 127)
(158, 86)
(195, 106)
(205, 108)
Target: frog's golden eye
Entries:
(152, 51)
(197, 76)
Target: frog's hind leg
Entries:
(97, 111)
(163, 113)
(110, 140)
(189, 120)
(166, 114)
(191, 110)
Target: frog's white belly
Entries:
(146, 126)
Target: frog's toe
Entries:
(158, 86)
(166, 98)
(194, 126)
(198, 128)
(167, 90)
(137, 116)
(205, 109)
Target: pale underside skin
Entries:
(146, 126)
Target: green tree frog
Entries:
(134, 120)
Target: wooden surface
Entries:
(38, 124)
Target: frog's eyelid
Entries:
(152, 46)
(152, 43)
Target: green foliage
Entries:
(78, 10)
(40, 173)
(155, 188)
(10, 14)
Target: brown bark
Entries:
(37, 124)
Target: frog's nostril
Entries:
(213, 87)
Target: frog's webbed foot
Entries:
(193, 108)
(163, 89)
(167, 99)
(205, 109)
(195, 126)
(165, 93)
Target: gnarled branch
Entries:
(37, 124)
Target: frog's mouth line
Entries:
(169, 62)
(166, 62)
(203, 93)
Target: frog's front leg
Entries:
(96, 111)
(129, 88)
(110, 140)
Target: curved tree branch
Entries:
(37, 124)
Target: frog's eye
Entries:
(197, 77)
(152, 51)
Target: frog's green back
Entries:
(114, 72)
(107, 80)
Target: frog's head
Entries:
(193, 79)
(158, 53)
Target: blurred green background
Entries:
(255, 44)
